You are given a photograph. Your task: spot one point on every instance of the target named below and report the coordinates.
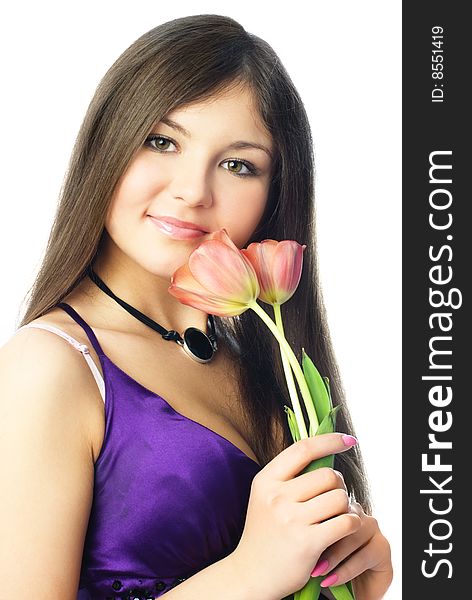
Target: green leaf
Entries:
(317, 387)
(310, 591)
(326, 381)
(324, 461)
(349, 587)
(324, 429)
(292, 423)
(328, 424)
(341, 592)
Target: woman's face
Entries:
(193, 167)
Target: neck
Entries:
(145, 292)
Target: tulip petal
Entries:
(208, 304)
(217, 278)
(278, 266)
(260, 255)
(219, 266)
(287, 267)
(188, 291)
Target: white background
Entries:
(345, 60)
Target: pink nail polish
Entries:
(349, 440)
(320, 567)
(329, 580)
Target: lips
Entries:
(174, 231)
(179, 223)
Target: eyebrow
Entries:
(240, 144)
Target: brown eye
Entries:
(160, 142)
(237, 165)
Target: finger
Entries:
(328, 532)
(325, 506)
(291, 461)
(308, 485)
(342, 549)
(355, 507)
(357, 563)
(340, 475)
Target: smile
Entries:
(178, 233)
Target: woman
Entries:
(147, 466)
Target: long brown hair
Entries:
(182, 61)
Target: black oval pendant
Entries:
(198, 345)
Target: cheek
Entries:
(137, 186)
(243, 218)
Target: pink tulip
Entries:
(278, 266)
(217, 279)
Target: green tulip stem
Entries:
(285, 361)
(297, 370)
(309, 405)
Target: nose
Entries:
(191, 182)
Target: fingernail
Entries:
(329, 580)
(320, 567)
(349, 440)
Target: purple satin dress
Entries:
(170, 495)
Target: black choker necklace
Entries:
(196, 343)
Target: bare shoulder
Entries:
(45, 356)
(47, 468)
(60, 319)
(36, 361)
(40, 371)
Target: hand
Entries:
(292, 518)
(363, 557)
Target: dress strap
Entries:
(88, 330)
(78, 346)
